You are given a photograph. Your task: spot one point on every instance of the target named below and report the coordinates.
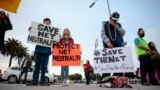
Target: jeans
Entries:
(24, 70)
(64, 73)
(40, 64)
(87, 75)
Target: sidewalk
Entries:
(72, 87)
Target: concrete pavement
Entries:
(72, 87)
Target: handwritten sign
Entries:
(114, 60)
(66, 55)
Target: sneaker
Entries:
(63, 83)
(146, 84)
(33, 83)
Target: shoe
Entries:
(128, 86)
(145, 84)
(44, 84)
(33, 83)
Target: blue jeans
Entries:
(64, 72)
(40, 64)
(87, 74)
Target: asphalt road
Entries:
(5, 86)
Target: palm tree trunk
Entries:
(10, 61)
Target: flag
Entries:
(10, 5)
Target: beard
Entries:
(141, 35)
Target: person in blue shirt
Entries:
(41, 61)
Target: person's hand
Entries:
(113, 23)
(29, 29)
(110, 45)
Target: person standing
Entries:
(5, 25)
(142, 51)
(87, 67)
(155, 56)
(66, 39)
(41, 61)
(112, 35)
(26, 65)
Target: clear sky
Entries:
(85, 23)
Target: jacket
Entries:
(87, 68)
(105, 34)
(66, 41)
(43, 50)
(154, 54)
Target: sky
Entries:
(85, 23)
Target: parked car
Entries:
(12, 75)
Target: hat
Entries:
(115, 16)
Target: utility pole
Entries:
(109, 10)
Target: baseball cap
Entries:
(115, 16)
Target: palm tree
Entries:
(22, 53)
(11, 49)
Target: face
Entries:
(66, 32)
(142, 33)
(47, 22)
(113, 22)
(152, 44)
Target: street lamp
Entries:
(107, 5)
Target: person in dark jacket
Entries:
(66, 39)
(155, 57)
(5, 25)
(112, 35)
(87, 67)
(26, 65)
(41, 61)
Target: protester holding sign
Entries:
(155, 56)
(112, 34)
(5, 25)
(146, 66)
(66, 39)
(87, 67)
(42, 56)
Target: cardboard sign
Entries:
(66, 55)
(43, 35)
(114, 60)
(10, 5)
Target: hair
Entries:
(46, 19)
(152, 47)
(140, 29)
(87, 62)
(63, 36)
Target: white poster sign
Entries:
(114, 60)
(43, 35)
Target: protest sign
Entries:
(66, 55)
(10, 5)
(43, 35)
(116, 60)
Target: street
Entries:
(5, 86)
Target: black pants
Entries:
(156, 63)
(146, 66)
(2, 35)
(24, 71)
